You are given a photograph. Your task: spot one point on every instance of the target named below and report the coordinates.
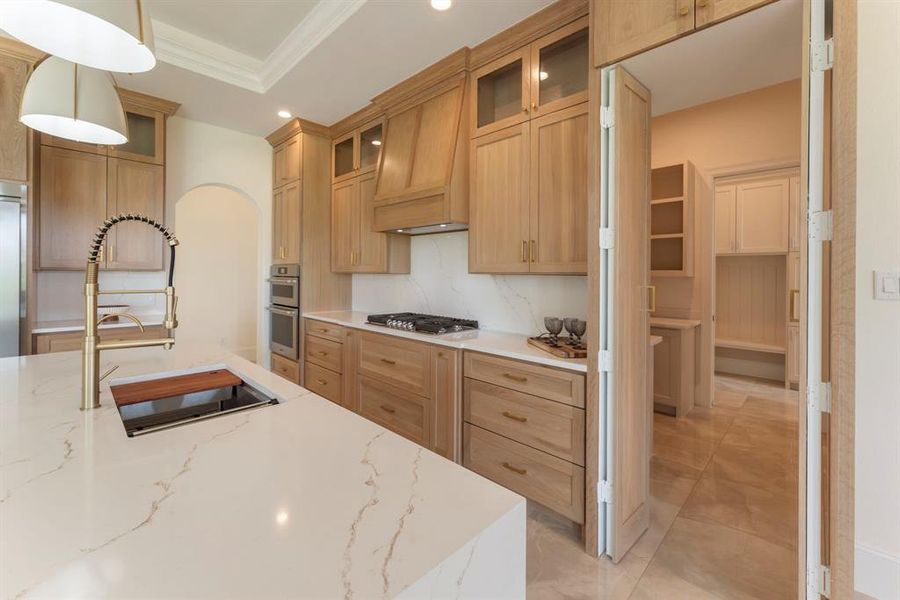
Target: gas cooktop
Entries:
(432, 324)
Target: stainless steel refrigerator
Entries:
(12, 265)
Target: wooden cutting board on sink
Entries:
(154, 389)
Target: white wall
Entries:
(201, 154)
(440, 283)
(878, 321)
(218, 227)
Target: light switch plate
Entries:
(887, 285)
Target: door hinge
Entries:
(820, 226)
(605, 492)
(818, 397)
(821, 55)
(607, 238)
(604, 361)
(607, 117)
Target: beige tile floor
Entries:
(723, 510)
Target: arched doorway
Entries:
(216, 273)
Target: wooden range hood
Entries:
(423, 184)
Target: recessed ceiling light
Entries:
(441, 4)
(544, 75)
(284, 114)
(376, 142)
(443, 224)
(399, 231)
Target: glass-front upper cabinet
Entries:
(370, 147)
(559, 69)
(344, 157)
(357, 152)
(146, 136)
(549, 74)
(501, 92)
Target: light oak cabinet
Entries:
(286, 216)
(69, 341)
(13, 134)
(286, 161)
(792, 359)
(137, 188)
(672, 190)
(674, 367)
(794, 218)
(753, 214)
(624, 27)
(547, 75)
(529, 197)
(71, 206)
(357, 152)
(80, 185)
(355, 247)
(524, 428)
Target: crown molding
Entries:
(200, 55)
(321, 22)
(194, 53)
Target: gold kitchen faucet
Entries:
(90, 371)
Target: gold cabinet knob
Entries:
(683, 11)
(702, 3)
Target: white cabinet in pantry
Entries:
(758, 214)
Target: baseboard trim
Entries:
(876, 573)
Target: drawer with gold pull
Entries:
(325, 330)
(288, 369)
(554, 384)
(551, 481)
(400, 362)
(395, 408)
(542, 424)
(323, 382)
(325, 353)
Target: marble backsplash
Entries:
(439, 282)
(60, 294)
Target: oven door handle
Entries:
(282, 311)
(283, 280)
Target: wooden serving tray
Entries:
(564, 349)
(154, 389)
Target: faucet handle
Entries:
(126, 315)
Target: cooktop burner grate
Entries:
(423, 323)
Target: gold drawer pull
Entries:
(509, 415)
(388, 409)
(515, 469)
(322, 353)
(683, 11)
(322, 330)
(518, 378)
(388, 361)
(321, 382)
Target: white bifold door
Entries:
(625, 392)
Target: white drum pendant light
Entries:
(74, 102)
(112, 35)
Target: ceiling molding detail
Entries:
(321, 22)
(200, 55)
(194, 53)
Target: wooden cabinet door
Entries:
(344, 157)
(713, 11)
(793, 354)
(13, 134)
(279, 156)
(558, 196)
(498, 202)
(371, 246)
(286, 214)
(625, 27)
(500, 93)
(58, 142)
(292, 155)
(136, 188)
(344, 199)
(559, 69)
(397, 152)
(71, 205)
(794, 218)
(445, 396)
(725, 218)
(146, 137)
(370, 137)
(761, 223)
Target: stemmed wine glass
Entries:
(554, 325)
(576, 329)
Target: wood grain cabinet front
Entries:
(555, 483)
(286, 368)
(399, 362)
(323, 352)
(69, 341)
(323, 381)
(395, 408)
(13, 134)
(136, 188)
(566, 387)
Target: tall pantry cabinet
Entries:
(528, 157)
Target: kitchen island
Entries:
(299, 499)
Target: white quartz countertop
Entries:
(78, 324)
(511, 345)
(300, 499)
